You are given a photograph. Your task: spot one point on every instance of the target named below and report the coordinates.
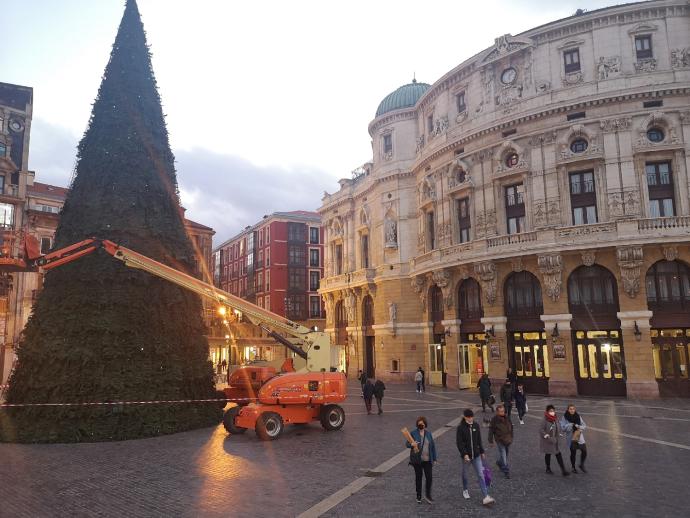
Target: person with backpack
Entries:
(501, 429)
(507, 396)
(468, 438)
(379, 387)
(419, 380)
(485, 395)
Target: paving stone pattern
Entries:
(207, 473)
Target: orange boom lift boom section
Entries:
(271, 399)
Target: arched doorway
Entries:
(472, 356)
(668, 298)
(369, 337)
(597, 340)
(437, 349)
(528, 355)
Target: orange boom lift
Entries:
(306, 389)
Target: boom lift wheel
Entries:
(229, 420)
(220, 395)
(332, 417)
(269, 426)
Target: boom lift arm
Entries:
(316, 350)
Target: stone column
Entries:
(560, 355)
(639, 362)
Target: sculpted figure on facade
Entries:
(611, 125)
(350, 305)
(680, 58)
(419, 285)
(551, 267)
(645, 65)
(420, 144)
(588, 257)
(486, 272)
(630, 260)
(328, 305)
(670, 253)
(391, 231)
(607, 67)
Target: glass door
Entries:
(435, 364)
(670, 352)
(530, 360)
(600, 365)
(464, 366)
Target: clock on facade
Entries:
(16, 125)
(508, 76)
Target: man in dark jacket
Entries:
(368, 393)
(507, 396)
(484, 385)
(501, 429)
(379, 387)
(468, 438)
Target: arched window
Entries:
(435, 304)
(523, 296)
(368, 311)
(469, 300)
(592, 290)
(668, 286)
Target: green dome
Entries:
(404, 97)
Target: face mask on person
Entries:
(420, 426)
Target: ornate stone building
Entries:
(529, 209)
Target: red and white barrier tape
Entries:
(112, 403)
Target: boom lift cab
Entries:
(267, 399)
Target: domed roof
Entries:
(404, 97)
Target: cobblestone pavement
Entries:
(638, 458)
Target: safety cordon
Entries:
(116, 403)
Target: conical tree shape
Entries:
(101, 331)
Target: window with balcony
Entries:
(314, 235)
(314, 258)
(571, 60)
(314, 280)
(260, 282)
(430, 230)
(314, 307)
(660, 187)
(268, 257)
(294, 307)
(643, 46)
(464, 224)
(297, 279)
(364, 245)
(268, 280)
(583, 198)
(515, 208)
(296, 232)
(267, 300)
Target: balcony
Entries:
(674, 225)
(511, 239)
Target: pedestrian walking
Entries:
(423, 379)
(468, 438)
(550, 439)
(507, 396)
(362, 379)
(379, 388)
(485, 395)
(512, 376)
(368, 393)
(520, 402)
(418, 377)
(501, 430)
(574, 426)
(224, 364)
(423, 458)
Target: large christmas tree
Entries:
(101, 331)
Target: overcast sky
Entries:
(267, 102)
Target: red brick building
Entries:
(277, 264)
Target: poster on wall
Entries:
(558, 351)
(494, 351)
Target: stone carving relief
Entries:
(328, 305)
(440, 127)
(630, 259)
(608, 67)
(586, 230)
(543, 139)
(656, 118)
(543, 86)
(645, 65)
(670, 253)
(420, 144)
(486, 272)
(420, 242)
(427, 191)
(392, 312)
(615, 202)
(589, 257)
(419, 285)
(573, 78)
(509, 95)
(486, 224)
(445, 231)
(680, 58)
(487, 79)
(391, 231)
(516, 264)
(442, 279)
(551, 267)
(350, 303)
(631, 202)
(540, 220)
(610, 125)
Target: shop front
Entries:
(472, 351)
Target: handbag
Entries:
(576, 435)
(491, 400)
(526, 408)
(487, 475)
(416, 456)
